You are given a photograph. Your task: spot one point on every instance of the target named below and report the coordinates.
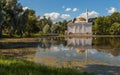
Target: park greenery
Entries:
(107, 25)
(15, 21)
(10, 66)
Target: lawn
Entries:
(10, 66)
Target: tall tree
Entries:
(115, 29)
(55, 28)
(31, 26)
(107, 24)
(12, 10)
(46, 28)
(2, 4)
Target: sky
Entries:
(59, 10)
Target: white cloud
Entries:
(68, 9)
(91, 14)
(25, 8)
(75, 9)
(65, 16)
(112, 10)
(53, 15)
(56, 16)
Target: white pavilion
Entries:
(80, 26)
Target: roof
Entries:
(80, 19)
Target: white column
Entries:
(75, 28)
(87, 15)
(83, 28)
(79, 29)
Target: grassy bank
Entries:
(9, 66)
(30, 36)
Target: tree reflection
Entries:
(108, 45)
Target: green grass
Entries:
(26, 36)
(9, 66)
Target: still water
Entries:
(98, 55)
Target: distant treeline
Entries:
(107, 25)
(18, 22)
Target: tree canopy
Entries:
(107, 25)
(16, 21)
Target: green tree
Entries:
(107, 24)
(55, 28)
(1, 18)
(12, 10)
(49, 22)
(62, 26)
(46, 28)
(115, 29)
(115, 17)
(97, 29)
(2, 6)
(31, 26)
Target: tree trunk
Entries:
(21, 34)
(0, 31)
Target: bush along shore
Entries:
(10, 66)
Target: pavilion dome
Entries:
(77, 20)
(81, 19)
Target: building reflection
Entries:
(76, 52)
(80, 45)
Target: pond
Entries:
(99, 55)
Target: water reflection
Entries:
(67, 52)
(107, 45)
(79, 44)
(82, 53)
(92, 54)
(83, 42)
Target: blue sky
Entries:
(68, 9)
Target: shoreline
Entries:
(71, 35)
(79, 35)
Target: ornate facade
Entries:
(80, 26)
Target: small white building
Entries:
(80, 26)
